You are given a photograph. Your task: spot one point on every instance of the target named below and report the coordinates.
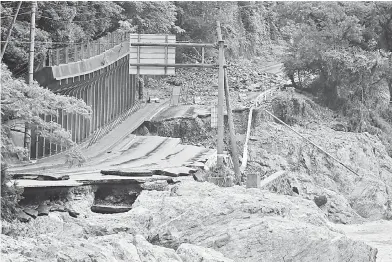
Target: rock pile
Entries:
(201, 85)
(28, 213)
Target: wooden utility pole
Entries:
(233, 140)
(32, 37)
(10, 31)
(27, 138)
(220, 96)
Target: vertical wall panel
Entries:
(109, 92)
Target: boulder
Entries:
(73, 213)
(150, 253)
(22, 216)
(320, 200)
(190, 253)
(43, 210)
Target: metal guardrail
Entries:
(78, 51)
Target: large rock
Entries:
(43, 210)
(150, 253)
(22, 216)
(117, 247)
(190, 253)
(247, 225)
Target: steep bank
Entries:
(352, 197)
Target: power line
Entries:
(13, 15)
(51, 42)
(9, 2)
(75, 21)
(46, 17)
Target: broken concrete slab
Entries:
(265, 182)
(105, 209)
(36, 183)
(45, 177)
(31, 212)
(175, 171)
(127, 173)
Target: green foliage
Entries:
(74, 156)
(247, 27)
(333, 43)
(10, 195)
(26, 103)
(56, 21)
(293, 109)
(150, 17)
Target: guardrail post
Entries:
(88, 51)
(57, 60)
(50, 60)
(66, 53)
(99, 46)
(75, 52)
(82, 56)
(202, 55)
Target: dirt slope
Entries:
(351, 197)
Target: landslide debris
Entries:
(350, 198)
(225, 224)
(200, 86)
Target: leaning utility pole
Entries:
(27, 138)
(10, 31)
(233, 140)
(220, 96)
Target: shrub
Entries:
(10, 195)
(293, 109)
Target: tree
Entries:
(150, 17)
(60, 22)
(26, 103)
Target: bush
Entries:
(293, 109)
(10, 195)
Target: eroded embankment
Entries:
(365, 194)
(363, 191)
(194, 130)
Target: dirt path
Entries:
(377, 234)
